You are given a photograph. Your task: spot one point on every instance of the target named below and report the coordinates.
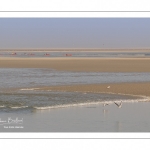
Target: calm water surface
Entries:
(73, 54)
(47, 110)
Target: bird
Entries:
(105, 104)
(119, 105)
(108, 87)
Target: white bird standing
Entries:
(119, 105)
(108, 87)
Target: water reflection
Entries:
(119, 126)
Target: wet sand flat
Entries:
(89, 65)
(80, 64)
(140, 89)
(132, 117)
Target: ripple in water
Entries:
(30, 100)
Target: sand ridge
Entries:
(80, 64)
(136, 89)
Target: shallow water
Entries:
(19, 88)
(29, 101)
(73, 54)
(132, 117)
(32, 77)
(40, 110)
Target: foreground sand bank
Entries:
(80, 64)
(141, 89)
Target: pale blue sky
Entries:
(74, 33)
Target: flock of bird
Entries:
(117, 104)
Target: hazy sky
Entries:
(74, 33)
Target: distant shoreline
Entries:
(77, 50)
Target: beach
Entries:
(74, 75)
(89, 65)
(67, 94)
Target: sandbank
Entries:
(80, 64)
(139, 89)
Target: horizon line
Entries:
(66, 48)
